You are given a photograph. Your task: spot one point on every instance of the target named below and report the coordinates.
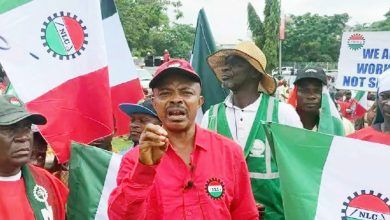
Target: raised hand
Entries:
(152, 144)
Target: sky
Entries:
(228, 18)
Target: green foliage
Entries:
(138, 18)
(375, 26)
(177, 40)
(147, 29)
(265, 34)
(255, 25)
(313, 38)
(271, 31)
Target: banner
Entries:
(330, 177)
(364, 56)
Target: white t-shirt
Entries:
(240, 120)
(280, 91)
(15, 177)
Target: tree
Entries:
(375, 26)
(255, 26)
(314, 38)
(141, 18)
(177, 40)
(271, 31)
(265, 35)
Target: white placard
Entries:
(364, 57)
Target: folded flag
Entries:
(330, 177)
(204, 46)
(92, 177)
(54, 55)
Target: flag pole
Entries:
(280, 38)
(280, 57)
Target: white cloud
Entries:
(228, 18)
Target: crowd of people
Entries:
(222, 168)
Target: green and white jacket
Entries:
(244, 126)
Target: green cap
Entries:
(13, 111)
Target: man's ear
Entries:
(152, 97)
(256, 75)
(201, 101)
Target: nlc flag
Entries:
(54, 54)
(330, 177)
(359, 105)
(124, 82)
(92, 178)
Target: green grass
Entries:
(120, 143)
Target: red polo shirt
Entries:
(217, 185)
(372, 135)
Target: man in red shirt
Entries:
(179, 170)
(166, 56)
(26, 192)
(347, 106)
(379, 132)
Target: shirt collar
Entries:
(201, 139)
(252, 107)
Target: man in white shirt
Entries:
(242, 70)
(282, 91)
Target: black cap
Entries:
(313, 73)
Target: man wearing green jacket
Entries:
(242, 71)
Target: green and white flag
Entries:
(204, 46)
(92, 177)
(330, 120)
(330, 177)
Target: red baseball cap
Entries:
(174, 66)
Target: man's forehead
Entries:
(180, 86)
(174, 78)
(231, 59)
